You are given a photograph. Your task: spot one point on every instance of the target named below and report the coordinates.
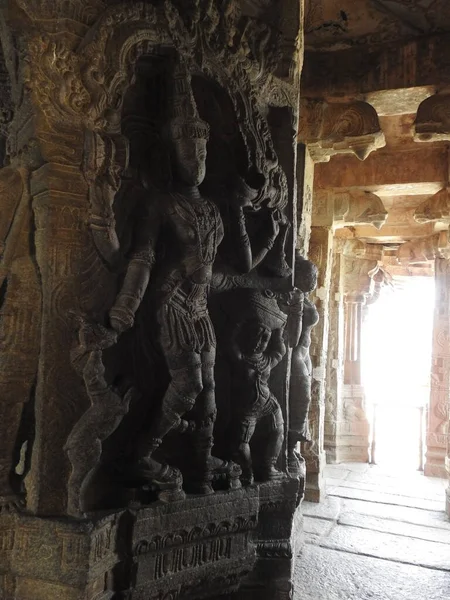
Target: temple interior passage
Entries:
(380, 534)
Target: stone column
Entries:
(335, 360)
(438, 414)
(320, 252)
(353, 433)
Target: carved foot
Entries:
(10, 501)
(227, 472)
(247, 477)
(165, 480)
(270, 474)
(221, 474)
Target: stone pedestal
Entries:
(198, 548)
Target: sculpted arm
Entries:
(138, 272)
(277, 347)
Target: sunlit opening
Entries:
(396, 363)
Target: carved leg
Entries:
(241, 453)
(275, 434)
(300, 399)
(208, 468)
(180, 397)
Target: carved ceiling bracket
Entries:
(425, 249)
(339, 128)
(346, 208)
(435, 209)
(433, 119)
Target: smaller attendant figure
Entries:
(109, 404)
(256, 347)
(301, 370)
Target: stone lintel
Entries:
(354, 73)
(418, 171)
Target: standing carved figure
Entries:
(256, 347)
(191, 228)
(301, 370)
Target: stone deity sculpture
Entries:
(256, 347)
(301, 370)
(192, 230)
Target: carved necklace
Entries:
(204, 219)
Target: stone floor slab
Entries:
(328, 509)
(385, 498)
(323, 574)
(336, 472)
(419, 532)
(414, 516)
(391, 547)
(411, 490)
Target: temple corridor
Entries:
(379, 535)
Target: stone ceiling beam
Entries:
(354, 73)
(418, 171)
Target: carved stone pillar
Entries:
(77, 70)
(320, 253)
(439, 407)
(353, 434)
(335, 360)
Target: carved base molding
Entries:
(202, 547)
(279, 539)
(348, 440)
(435, 456)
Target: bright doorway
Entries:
(396, 364)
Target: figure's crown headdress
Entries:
(184, 120)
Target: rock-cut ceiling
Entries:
(339, 24)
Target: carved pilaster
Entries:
(338, 128)
(335, 360)
(320, 253)
(358, 285)
(439, 407)
(60, 207)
